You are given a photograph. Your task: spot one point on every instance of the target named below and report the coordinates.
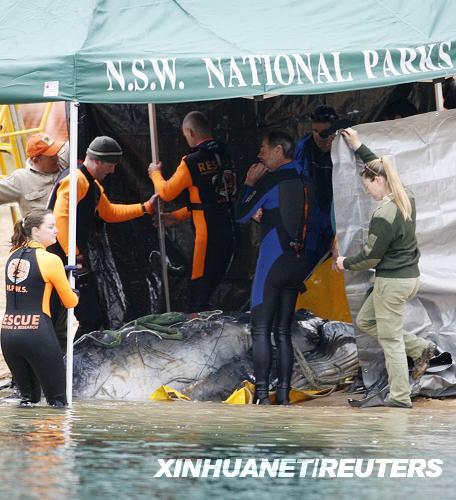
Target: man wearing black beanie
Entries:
(103, 154)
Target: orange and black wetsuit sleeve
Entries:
(169, 190)
(53, 273)
(182, 214)
(61, 208)
(109, 212)
(118, 212)
(173, 187)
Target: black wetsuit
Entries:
(208, 178)
(280, 269)
(28, 341)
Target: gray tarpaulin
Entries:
(423, 150)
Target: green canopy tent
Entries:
(140, 51)
(159, 51)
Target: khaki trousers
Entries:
(382, 316)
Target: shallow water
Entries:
(110, 449)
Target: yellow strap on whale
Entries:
(245, 394)
(166, 393)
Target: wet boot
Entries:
(283, 395)
(262, 394)
(58, 402)
(284, 366)
(261, 353)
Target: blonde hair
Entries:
(384, 168)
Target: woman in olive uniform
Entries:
(28, 340)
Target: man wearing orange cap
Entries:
(31, 186)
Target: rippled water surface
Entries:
(110, 449)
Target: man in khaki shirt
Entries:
(31, 186)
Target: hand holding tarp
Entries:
(340, 263)
(351, 138)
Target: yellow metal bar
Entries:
(14, 214)
(44, 118)
(15, 153)
(3, 168)
(21, 132)
(21, 124)
(7, 131)
(3, 110)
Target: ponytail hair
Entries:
(382, 167)
(22, 231)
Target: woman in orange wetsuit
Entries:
(28, 340)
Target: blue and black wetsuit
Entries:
(28, 341)
(281, 269)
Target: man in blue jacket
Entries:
(313, 153)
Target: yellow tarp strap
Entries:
(298, 395)
(245, 394)
(166, 393)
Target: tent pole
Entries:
(161, 226)
(438, 93)
(72, 243)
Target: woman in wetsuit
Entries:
(276, 187)
(28, 340)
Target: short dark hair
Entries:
(279, 138)
(198, 122)
(324, 114)
(401, 107)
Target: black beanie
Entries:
(106, 149)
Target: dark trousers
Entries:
(88, 311)
(275, 314)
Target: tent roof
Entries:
(134, 51)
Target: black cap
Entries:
(323, 114)
(106, 149)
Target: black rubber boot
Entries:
(262, 394)
(283, 395)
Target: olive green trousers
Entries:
(382, 316)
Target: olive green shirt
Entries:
(391, 246)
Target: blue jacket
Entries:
(319, 225)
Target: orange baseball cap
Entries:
(43, 144)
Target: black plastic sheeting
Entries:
(135, 261)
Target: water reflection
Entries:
(36, 451)
(110, 449)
